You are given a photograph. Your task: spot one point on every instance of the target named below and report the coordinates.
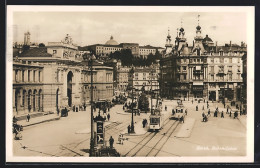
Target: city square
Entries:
(89, 88)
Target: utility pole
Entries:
(91, 102)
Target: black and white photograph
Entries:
(130, 84)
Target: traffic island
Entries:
(186, 128)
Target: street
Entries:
(70, 135)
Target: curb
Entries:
(57, 118)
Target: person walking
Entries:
(209, 112)
(28, 117)
(143, 123)
(203, 116)
(129, 129)
(165, 108)
(222, 114)
(192, 101)
(203, 107)
(230, 114)
(111, 141)
(186, 112)
(108, 116)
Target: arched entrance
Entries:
(57, 100)
(69, 87)
(29, 100)
(34, 100)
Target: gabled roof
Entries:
(36, 52)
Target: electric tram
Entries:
(156, 120)
(178, 112)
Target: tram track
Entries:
(146, 148)
(157, 147)
(143, 142)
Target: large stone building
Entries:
(203, 70)
(65, 78)
(27, 87)
(112, 46)
(145, 78)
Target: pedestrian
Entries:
(227, 111)
(204, 100)
(73, 108)
(197, 108)
(120, 139)
(108, 116)
(207, 106)
(128, 128)
(28, 117)
(15, 120)
(203, 116)
(143, 123)
(230, 114)
(186, 112)
(203, 107)
(165, 108)
(209, 112)
(111, 141)
(207, 102)
(123, 107)
(182, 119)
(222, 114)
(192, 101)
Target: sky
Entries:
(145, 28)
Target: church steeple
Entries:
(198, 29)
(168, 44)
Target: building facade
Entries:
(27, 87)
(145, 78)
(202, 70)
(112, 46)
(64, 79)
(122, 78)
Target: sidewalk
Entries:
(38, 120)
(139, 130)
(243, 120)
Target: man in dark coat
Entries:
(222, 114)
(111, 141)
(28, 117)
(129, 129)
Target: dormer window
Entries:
(221, 53)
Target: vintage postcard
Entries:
(130, 84)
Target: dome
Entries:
(207, 39)
(111, 41)
(198, 27)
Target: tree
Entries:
(143, 103)
(41, 45)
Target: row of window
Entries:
(211, 60)
(27, 75)
(211, 77)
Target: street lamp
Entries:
(90, 63)
(132, 123)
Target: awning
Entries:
(197, 83)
